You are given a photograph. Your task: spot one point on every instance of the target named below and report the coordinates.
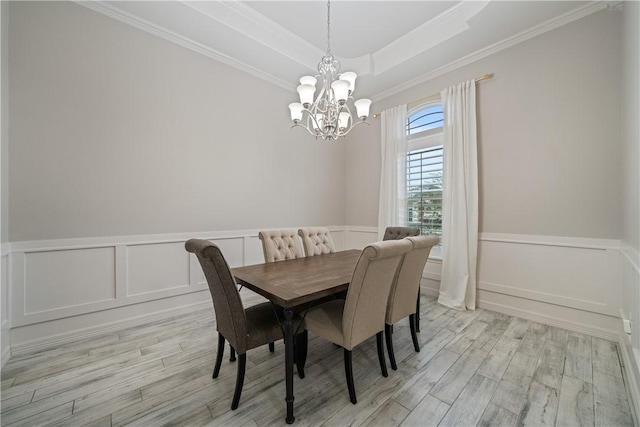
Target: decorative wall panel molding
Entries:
(630, 313)
(57, 288)
(570, 283)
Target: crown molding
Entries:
(156, 30)
(252, 24)
(446, 25)
(551, 24)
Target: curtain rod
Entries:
(433, 95)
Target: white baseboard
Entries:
(631, 372)
(6, 343)
(94, 331)
(550, 321)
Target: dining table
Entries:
(298, 283)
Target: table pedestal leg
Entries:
(288, 362)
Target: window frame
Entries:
(424, 140)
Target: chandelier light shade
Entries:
(328, 116)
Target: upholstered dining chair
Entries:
(361, 315)
(278, 245)
(405, 290)
(316, 241)
(245, 329)
(397, 233)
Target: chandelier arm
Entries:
(328, 116)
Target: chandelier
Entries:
(328, 116)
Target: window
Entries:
(425, 118)
(424, 169)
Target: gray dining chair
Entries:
(397, 233)
(316, 241)
(361, 315)
(405, 290)
(244, 328)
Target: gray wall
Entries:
(549, 135)
(4, 128)
(631, 131)
(117, 132)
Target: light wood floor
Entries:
(475, 368)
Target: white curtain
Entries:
(460, 197)
(393, 185)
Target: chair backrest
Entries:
(397, 233)
(230, 315)
(316, 241)
(364, 307)
(278, 245)
(405, 288)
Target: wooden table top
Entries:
(298, 281)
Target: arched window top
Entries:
(425, 117)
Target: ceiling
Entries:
(391, 45)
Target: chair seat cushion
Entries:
(325, 320)
(263, 324)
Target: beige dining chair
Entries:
(316, 241)
(405, 290)
(278, 245)
(361, 315)
(244, 328)
(397, 233)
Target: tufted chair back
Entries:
(316, 241)
(404, 291)
(397, 233)
(230, 314)
(373, 275)
(279, 245)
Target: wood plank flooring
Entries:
(474, 368)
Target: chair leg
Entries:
(383, 364)
(242, 364)
(418, 313)
(414, 337)
(388, 332)
(216, 370)
(348, 370)
(232, 358)
(301, 351)
(272, 347)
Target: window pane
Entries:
(424, 190)
(425, 119)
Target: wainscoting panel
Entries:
(570, 283)
(233, 250)
(5, 306)
(565, 282)
(569, 276)
(359, 237)
(156, 267)
(61, 290)
(630, 313)
(66, 278)
(253, 250)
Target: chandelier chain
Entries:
(328, 27)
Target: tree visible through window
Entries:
(424, 169)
